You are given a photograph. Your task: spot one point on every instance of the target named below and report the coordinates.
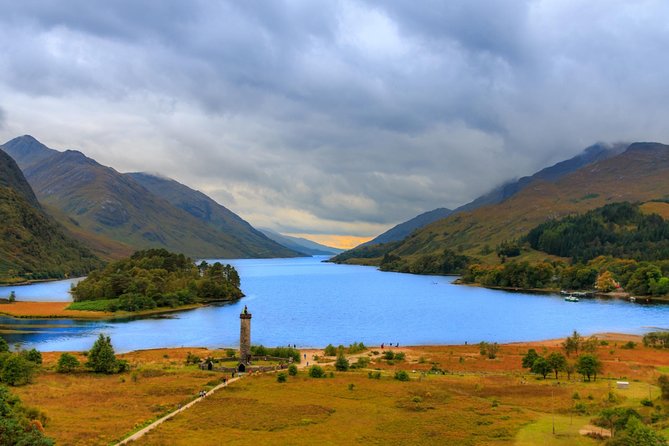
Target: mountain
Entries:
(403, 230)
(640, 173)
(302, 245)
(103, 204)
(245, 237)
(33, 245)
(591, 154)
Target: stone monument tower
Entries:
(245, 336)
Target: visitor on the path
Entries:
(305, 356)
(381, 346)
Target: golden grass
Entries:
(49, 310)
(90, 409)
(477, 402)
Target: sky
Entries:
(334, 119)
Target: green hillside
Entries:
(32, 245)
(115, 215)
(639, 174)
(243, 236)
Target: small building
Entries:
(623, 384)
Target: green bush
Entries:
(401, 375)
(292, 370)
(32, 355)
(342, 364)
(400, 356)
(389, 355)
(361, 363)
(17, 371)
(192, 359)
(356, 347)
(628, 345)
(67, 363)
(330, 350)
(316, 371)
(281, 377)
(374, 375)
(4, 347)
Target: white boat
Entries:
(571, 298)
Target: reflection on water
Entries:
(309, 303)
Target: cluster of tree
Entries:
(587, 364)
(157, 278)
(20, 425)
(448, 262)
(277, 352)
(601, 273)
(619, 229)
(627, 428)
(657, 339)
(508, 249)
(18, 368)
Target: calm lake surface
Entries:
(309, 303)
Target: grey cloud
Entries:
(354, 113)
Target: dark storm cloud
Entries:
(335, 116)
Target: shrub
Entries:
(663, 382)
(628, 345)
(192, 359)
(389, 355)
(361, 363)
(351, 386)
(374, 375)
(281, 377)
(400, 356)
(67, 363)
(330, 350)
(342, 363)
(101, 357)
(646, 402)
(292, 370)
(4, 347)
(401, 375)
(356, 347)
(17, 371)
(316, 371)
(32, 355)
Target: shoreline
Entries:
(58, 310)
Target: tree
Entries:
(341, 364)
(292, 370)
(12, 296)
(572, 343)
(541, 366)
(17, 371)
(588, 366)
(529, 358)
(638, 434)
(316, 371)
(557, 362)
(33, 355)
(616, 418)
(67, 363)
(101, 357)
(663, 382)
(4, 347)
(605, 282)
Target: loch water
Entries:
(307, 302)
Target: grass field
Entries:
(476, 401)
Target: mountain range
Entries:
(32, 244)
(117, 213)
(301, 244)
(602, 175)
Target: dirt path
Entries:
(137, 435)
(160, 421)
